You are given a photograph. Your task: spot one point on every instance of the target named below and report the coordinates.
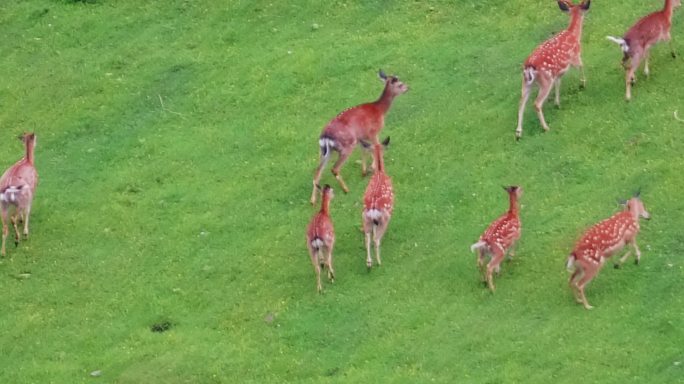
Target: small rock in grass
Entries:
(97, 373)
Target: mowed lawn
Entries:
(176, 145)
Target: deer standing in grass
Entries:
(363, 122)
(549, 62)
(378, 202)
(499, 238)
(637, 42)
(320, 238)
(17, 187)
(602, 241)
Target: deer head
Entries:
(392, 83)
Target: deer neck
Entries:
(29, 152)
(379, 161)
(385, 101)
(325, 204)
(575, 27)
(668, 9)
(513, 204)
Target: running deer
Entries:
(602, 241)
(17, 187)
(378, 202)
(499, 238)
(363, 122)
(549, 62)
(637, 42)
(320, 238)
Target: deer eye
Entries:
(394, 80)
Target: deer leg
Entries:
(314, 252)
(557, 86)
(583, 77)
(481, 265)
(672, 50)
(497, 257)
(369, 261)
(378, 232)
(526, 88)
(622, 259)
(577, 274)
(317, 176)
(629, 76)
(544, 90)
(646, 71)
(344, 155)
(329, 264)
(14, 218)
(364, 157)
(4, 213)
(583, 281)
(27, 214)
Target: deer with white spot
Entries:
(378, 202)
(637, 42)
(363, 122)
(602, 241)
(17, 187)
(499, 238)
(549, 62)
(320, 238)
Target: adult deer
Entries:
(378, 203)
(637, 42)
(320, 238)
(499, 238)
(549, 62)
(363, 122)
(602, 241)
(17, 187)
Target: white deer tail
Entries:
(621, 42)
(326, 144)
(529, 74)
(479, 245)
(11, 193)
(571, 262)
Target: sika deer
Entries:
(320, 238)
(362, 122)
(17, 187)
(378, 202)
(602, 241)
(499, 238)
(637, 42)
(549, 62)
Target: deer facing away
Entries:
(378, 202)
(499, 238)
(549, 62)
(602, 241)
(346, 130)
(17, 187)
(320, 238)
(637, 42)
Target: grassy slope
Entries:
(176, 145)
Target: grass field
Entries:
(176, 145)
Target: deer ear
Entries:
(637, 193)
(382, 75)
(386, 142)
(585, 5)
(563, 6)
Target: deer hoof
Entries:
(616, 266)
(636, 262)
(674, 55)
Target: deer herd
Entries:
(361, 125)
(544, 67)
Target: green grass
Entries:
(176, 145)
